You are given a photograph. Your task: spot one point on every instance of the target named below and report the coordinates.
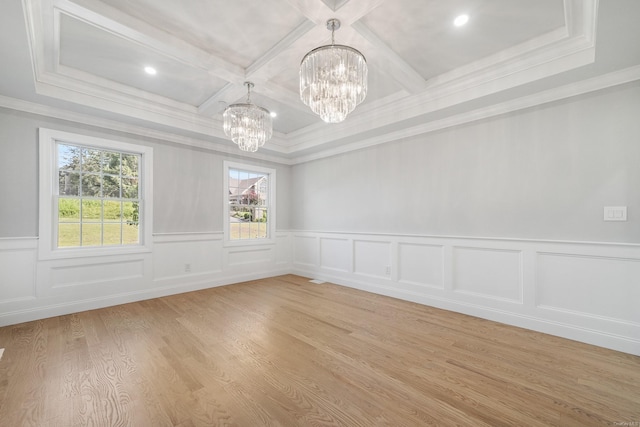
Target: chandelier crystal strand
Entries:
(333, 79)
(248, 125)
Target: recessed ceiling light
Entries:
(150, 70)
(461, 20)
(273, 114)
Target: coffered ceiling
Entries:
(85, 59)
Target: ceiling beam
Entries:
(404, 73)
(280, 47)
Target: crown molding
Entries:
(225, 147)
(605, 81)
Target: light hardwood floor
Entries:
(286, 352)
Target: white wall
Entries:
(541, 173)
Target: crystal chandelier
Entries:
(246, 124)
(333, 79)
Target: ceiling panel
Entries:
(239, 31)
(95, 51)
(422, 34)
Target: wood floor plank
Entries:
(285, 352)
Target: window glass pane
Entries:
(112, 234)
(130, 212)
(68, 235)
(130, 165)
(68, 158)
(69, 183)
(91, 210)
(234, 230)
(91, 160)
(111, 163)
(261, 231)
(91, 185)
(110, 186)
(245, 230)
(130, 233)
(262, 189)
(260, 215)
(68, 210)
(130, 188)
(111, 211)
(91, 234)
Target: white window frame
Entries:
(271, 206)
(48, 186)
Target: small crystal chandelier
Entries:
(333, 79)
(248, 125)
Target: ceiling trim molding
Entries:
(605, 81)
(574, 89)
(226, 147)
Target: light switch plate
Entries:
(615, 213)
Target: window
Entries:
(94, 195)
(249, 208)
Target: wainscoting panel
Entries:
(92, 277)
(95, 273)
(336, 254)
(179, 262)
(17, 264)
(305, 250)
(372, 258)
(582, 291)
(177, 255)
(250, 256)
(421, 265)
(283, 249)
(612, 284)
(488, 273)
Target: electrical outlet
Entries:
(187, 268)
(387, 270)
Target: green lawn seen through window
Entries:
(92, 233)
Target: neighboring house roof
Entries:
(239, 187)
